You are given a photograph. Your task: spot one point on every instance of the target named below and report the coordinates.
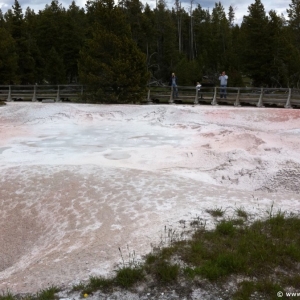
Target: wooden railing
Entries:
(237, 96)
(34, 93)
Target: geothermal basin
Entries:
(80, 181)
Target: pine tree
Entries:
(166, 42)
(51, 37)
(256, 43)
(54, 69)
(149, 42)
(220, 37)
(110, 64)
(2, 21)
(16, 27)
(74, 32)
(284, 52)
(133, 12)
(231, 16)
(203, 39)
(30, 26)
(8, 58)
(294, 20)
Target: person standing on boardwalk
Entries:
(173, 84)
(223, 84)
(198, 87)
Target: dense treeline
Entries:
(124, 46)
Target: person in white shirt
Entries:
(198, 87)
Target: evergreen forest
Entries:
(130, 45)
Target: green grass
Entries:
(127, 276)
(48, 294)
(254, 251)
(166, 272)
(95, 284)
(217, 212)
(241, 213)
(264, 289)
(238, 221)
(7, 296)
(78, 287)
(264, 255)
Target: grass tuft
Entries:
(217, 212)
(166, 272)
(48, 294)
(225, 228)
(241, 213)
(293, 281)
(263, 289)
(78, 287)
(127, 276)
(100, 282)
(150, 259)
(7, 296)
(238, 222)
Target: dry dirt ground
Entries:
(79, 181)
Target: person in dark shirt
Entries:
(173, 83)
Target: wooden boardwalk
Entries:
(236, 96)
(44, 93)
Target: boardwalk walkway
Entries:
(236, 96)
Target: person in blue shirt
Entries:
(173, 83)
(223, 84)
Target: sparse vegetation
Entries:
(241, 213)
(78, 287)
(48, 294)
(7, 296)
(217, 212)
(128, 276)
(264, 256)
(95, 284)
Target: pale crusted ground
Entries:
(79, 181)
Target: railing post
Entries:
(57, 95)
(148, 98)
(171, 96)
(288, 101)
(196, 97)
(260, 101)
(34, 94)
(9, 98)
(214, 102)
(237, 100)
